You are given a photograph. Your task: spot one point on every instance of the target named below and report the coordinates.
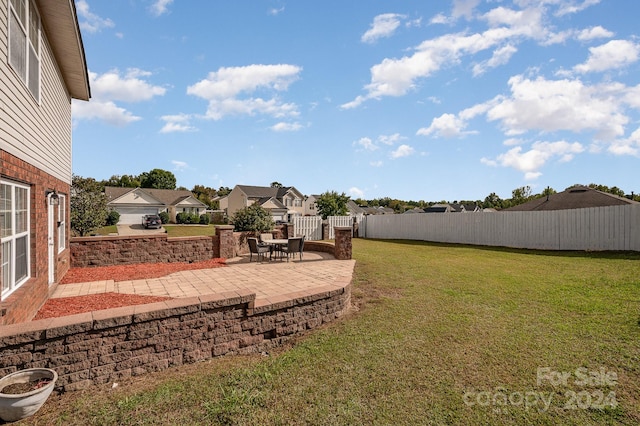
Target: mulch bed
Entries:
(94, 302)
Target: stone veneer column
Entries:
(343, 242)
(226, 242)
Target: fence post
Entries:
(342, 242)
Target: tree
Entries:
(276, 185)
(331, 203)
(253, 219)
(125, 181)
(520, 195)
(88, 205)
(492, 201)
(205, 195)
(224, 190)
(158, 179)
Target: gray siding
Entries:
(38, 133)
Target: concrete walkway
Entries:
(270, 280)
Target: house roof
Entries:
(267, 191)
(168, 197)
(576, 197)
(60, 23)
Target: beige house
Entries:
(43, 68)
(133, 203)
(283, 203)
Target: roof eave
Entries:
(60, 23)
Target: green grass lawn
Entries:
(441, 334)
(189, 230)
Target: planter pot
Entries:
(19, 406)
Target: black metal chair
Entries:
(259, 249)
(294, 245)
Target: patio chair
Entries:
(259, 249)
(266, 236)
(294, 245)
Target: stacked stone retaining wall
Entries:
(111, 345)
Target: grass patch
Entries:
(189, 230)
(441, 335)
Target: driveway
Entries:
(138, 230)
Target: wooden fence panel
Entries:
(598, 228)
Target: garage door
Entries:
(133, 215)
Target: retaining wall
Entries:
(110, 345)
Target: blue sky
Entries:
(414, 100)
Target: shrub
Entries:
(187, 218)
(204, 219)
(113, 218)
(164, 217)
(253, 218)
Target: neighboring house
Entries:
(42, 69)
(310, 206)
(439, 208)
(283, 202)
(223, 204)
(576, 197)
(378, 210)
(354, 209)
(133, 203)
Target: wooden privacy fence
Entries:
(614, 228)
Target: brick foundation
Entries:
(23, 303)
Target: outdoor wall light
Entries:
(54, 199)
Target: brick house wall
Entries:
(24, 303)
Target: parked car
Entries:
(151, 221)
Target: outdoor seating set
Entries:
(276, 248)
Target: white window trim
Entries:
(11, 239)
(29, 7)
(62, 223)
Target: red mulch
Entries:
(62, 306)
(95, 302)
(138, 271)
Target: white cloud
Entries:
(286, 127)
(500, 57)
(356, 192)
(553, 105)
(594, 33)
(566, 7)
(530, 162)
(90, 22)
(402, 151)
(366, 143)
(376, 163)
(177, 123)
(179, 165)
(396, 77)
(129, 87)
(102, 110)
(611, 55)
(276, 11)
(224, 87)
(390, 139)
(464, 8)
(445, 126)
(628, 146)
(383, 26)
(160, 7)
(110, 87)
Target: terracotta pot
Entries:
(19, 406)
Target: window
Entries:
(62, 215)
(14, 233)
(24, 43)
